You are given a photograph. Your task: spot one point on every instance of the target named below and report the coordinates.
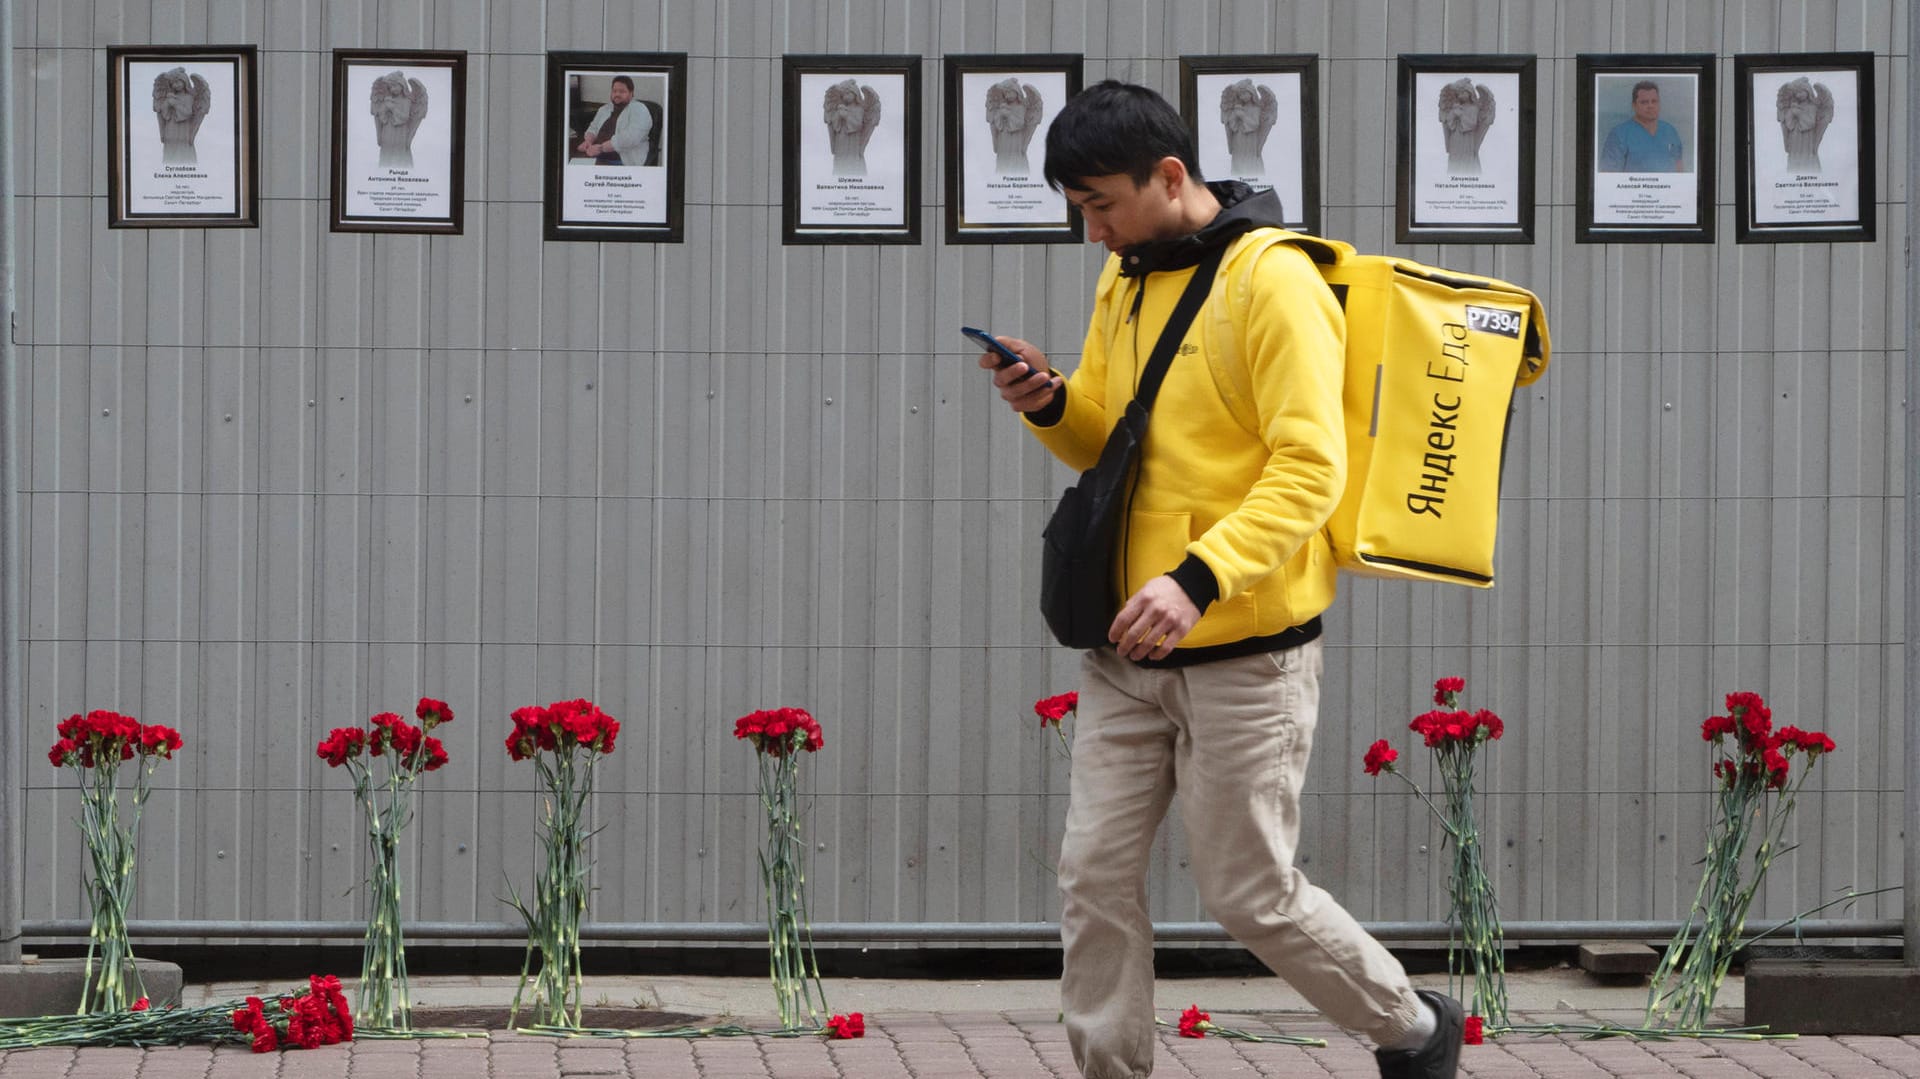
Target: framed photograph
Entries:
(616, 146)
(1465, 169)
(1644, 163)
(851, 166)
(1805, 166)
(998, 112)
(399, 141)
(182, 137)
(1256, 119)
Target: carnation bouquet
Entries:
(94, 746)
(563, 740)
(779, 736)
(407, 752)
(306, 1018)
(1757, 786)
(1473, 919)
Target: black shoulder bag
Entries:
(1077, 580)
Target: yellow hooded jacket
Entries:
(1251, 505)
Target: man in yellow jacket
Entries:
(1211, 689)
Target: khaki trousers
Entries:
(1230, 739)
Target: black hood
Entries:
(1241, 211)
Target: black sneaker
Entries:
(1440, 1057)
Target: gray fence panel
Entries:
(277, 480)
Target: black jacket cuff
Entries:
(1197, 581)
(1056, 408)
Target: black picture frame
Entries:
(1653, 187)
(399, 144)
(1283, 91)
(851, 187)
(195, 160)
(1001, 198)
(1464, 167)
(1807, 177)
(606, 198)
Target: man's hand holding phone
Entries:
(1019, 369)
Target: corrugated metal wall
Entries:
(280, 479)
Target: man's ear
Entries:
(1173, 173)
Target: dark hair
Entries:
(1643, 84)
(1115, 127)
(628, 79)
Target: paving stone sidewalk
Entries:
(998, 1045)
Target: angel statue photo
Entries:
(398, 104)
(1805, 110)
(180, 103)
(1466, 112)
(851, 112)
(1248, 111)
(1014, 111)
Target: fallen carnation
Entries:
(141, 1005)
(851, 1025)
(264, 1039)
(1475, 1032)
(1194, 1022)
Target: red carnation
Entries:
(341, 745)
(1380, 755)
(303, 1027)
(1445, 689)
(432, 713)
(141, 1005)
(342, 1015)
(395, 734)
(1489, 723)
(773, 731)
(436, 755)
(1715, 728)
(159, 741)
(1431, 727)
(61, 750)
(524, 742)
(1052, 710)
(264, 1040)
(1754, 718)
(1194, 1023)
(1776, 767)
(851, 1025)
(1474, 1033)
(578, 720)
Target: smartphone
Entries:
(987, 341)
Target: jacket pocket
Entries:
(1155, 543)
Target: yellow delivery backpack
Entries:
(1433, 357)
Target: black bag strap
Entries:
(1175, 330)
